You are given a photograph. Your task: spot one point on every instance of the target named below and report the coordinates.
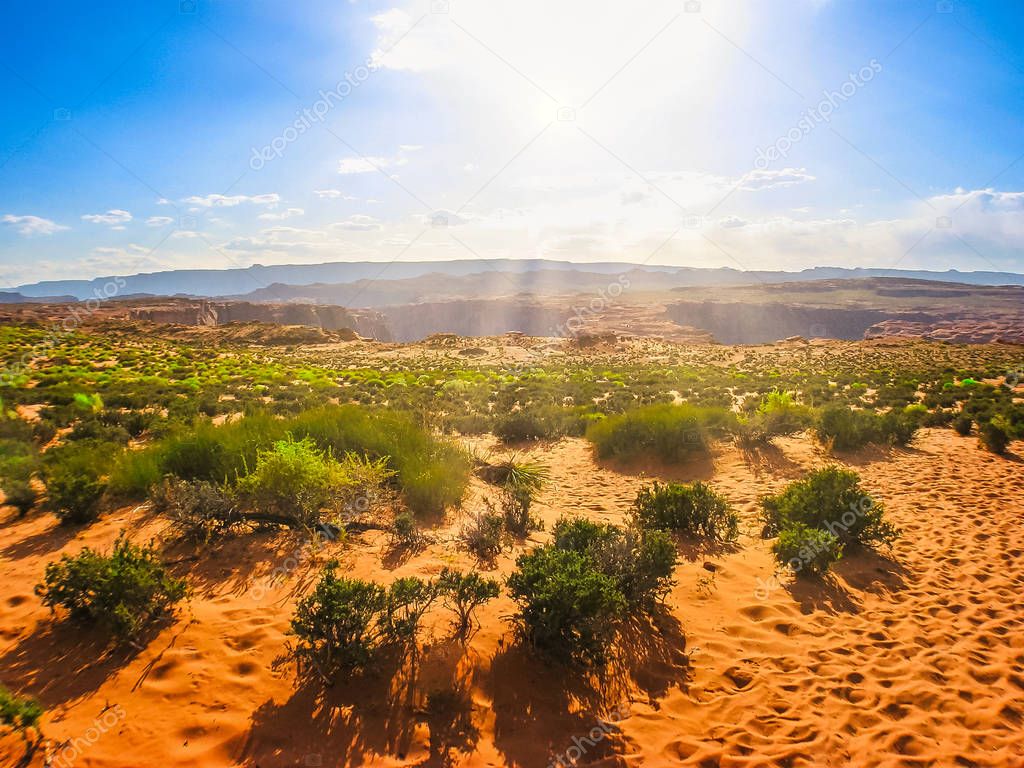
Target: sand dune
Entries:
(915, 658)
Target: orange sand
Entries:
(917, 660)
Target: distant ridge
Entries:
(243, 281)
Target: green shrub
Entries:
(832, 500)
(463, 593)
(76, 479)
(515, 508)
(994, 436)
(668, 432)
(408, 599)
(405, 531)
(573, 592)
(693, 510)
(538, 422)
(807, 551)
(567, 607)
(339, 624)
(122, 591)
(779, 414)
(433, 474)
(19, 712)
(298, 481)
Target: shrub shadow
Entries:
(769, 459)
(61, 662)
(700, 466)
(375, 712)
(40, 543)
(860, 570)
(239, 563)
(539, 707)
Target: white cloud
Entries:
(285, 214)
(158, 221)
(230, 201)
(787, 177)
(114, 218)
(358, 223)
(351, 165)
(31, 225)
(332, 194)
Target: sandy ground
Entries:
(910, 659)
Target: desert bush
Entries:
(640, 561)
(567, 607)
(122, 591)
(829, 499)
(538, 422)
(339, 624)
(75, 475)
(693, 510)
(515, 509)
(405, 531)
(432, 474)
(463, 593)
(668, 432)
(515, 474)
(780, 414)
(484, 533)
(197, 509)
(963, 425)
(807, 551)
(994, 436)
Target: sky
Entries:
(139, 137)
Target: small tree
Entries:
(123, 591)
(463, 593)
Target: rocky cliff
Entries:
(327, 317)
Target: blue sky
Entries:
(680, 133)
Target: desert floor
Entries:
(909, 658)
